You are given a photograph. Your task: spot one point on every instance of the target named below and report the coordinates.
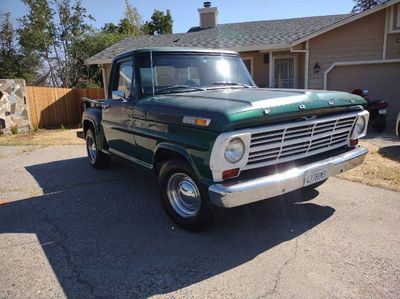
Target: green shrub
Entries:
(14, 130)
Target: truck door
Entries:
(118, 109)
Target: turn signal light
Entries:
(353, 142)
(231, 173)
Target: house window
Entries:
(395, 18)
(248, 62)
(398, 16)
(284, 71)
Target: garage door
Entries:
(382, 81)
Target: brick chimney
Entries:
(208, 16)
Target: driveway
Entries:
(67, 230)
(385, 139)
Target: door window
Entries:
(125, 75)
(284, 72)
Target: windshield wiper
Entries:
(230, 83)
(173, 88)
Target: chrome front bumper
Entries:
(241, 193)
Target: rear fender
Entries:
(92, 118)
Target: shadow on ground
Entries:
(388, 137)
(105, 234)
(391, 152)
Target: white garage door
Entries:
(382, 81)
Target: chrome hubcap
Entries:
(91, 148)
(183, 195)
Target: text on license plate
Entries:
(315, 175)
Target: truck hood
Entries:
(235, 108)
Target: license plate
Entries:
(315, 175)
(382, 111)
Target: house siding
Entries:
(357, 41)
(261, 69)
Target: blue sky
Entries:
(185, 15)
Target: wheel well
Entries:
(87, 124)
(162, 155)
(398, 130)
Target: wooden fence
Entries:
(51, 107)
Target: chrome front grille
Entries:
(291, 141)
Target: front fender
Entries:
(198, 160)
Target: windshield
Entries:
(188, 72)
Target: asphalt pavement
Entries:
(70, 231)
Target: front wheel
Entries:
(97, 158)
(184, 199)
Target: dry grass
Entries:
(43, 138)
(380, 169)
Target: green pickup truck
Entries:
(196, 119)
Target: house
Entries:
(337, 52)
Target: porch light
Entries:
(317, 67)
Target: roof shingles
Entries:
(225, 36)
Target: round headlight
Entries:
(234, 151)
(360, 125)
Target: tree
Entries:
(161, 23)
(88, 45)
(109, 28)
(8, 55)
(132, 22)
(13, 63)
(363, 5)
(48, 30)
(37, 34)
(71, 27)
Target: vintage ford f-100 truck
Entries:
(212, 137)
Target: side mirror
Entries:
(117, 94)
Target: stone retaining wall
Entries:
(13, 107)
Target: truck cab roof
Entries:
(174, 50)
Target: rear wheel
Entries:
(184, 199)
(97, 158)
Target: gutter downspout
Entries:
(385, 37)
(306, 61)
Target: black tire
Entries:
(379, 124)
(314, 186)
(202, 219)
(97, 158)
